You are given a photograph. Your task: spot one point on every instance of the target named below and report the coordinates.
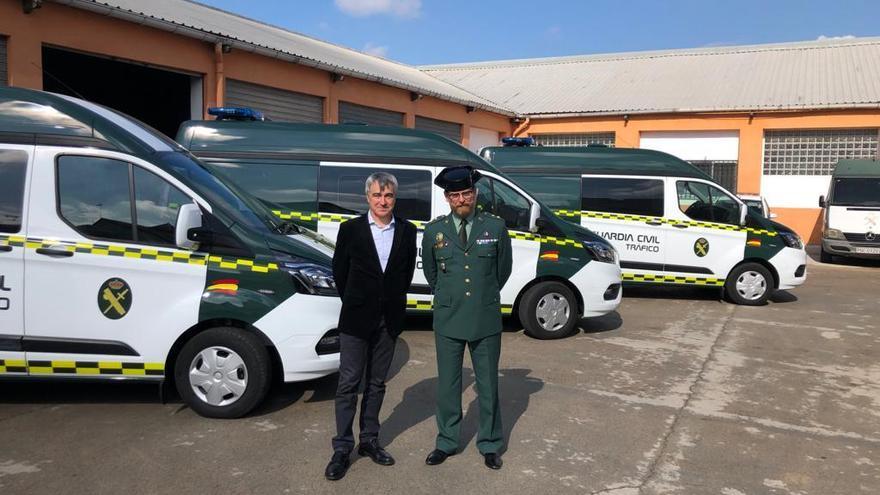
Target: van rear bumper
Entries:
(839, 247)
(790, 265)
(594, 281)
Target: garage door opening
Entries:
(160, 98)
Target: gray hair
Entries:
(384, 179)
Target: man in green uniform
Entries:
(466, 259)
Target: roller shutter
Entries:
(276, 104)
(3, 66)
(349, 113)
(449, 130)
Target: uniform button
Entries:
(467, 294)
(466, 253)
(467, 267)
(467, 280)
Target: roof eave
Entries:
(745, 110)
(247, 46)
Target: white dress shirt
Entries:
(383, 238)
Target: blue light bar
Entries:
(235, 113)
(518, 141)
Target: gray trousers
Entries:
(361, 359)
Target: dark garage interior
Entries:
(157, 97)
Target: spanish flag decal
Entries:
(550, 256)
(225, 286)
(753, 242)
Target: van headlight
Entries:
(791, 240)
(311, 278)
(834, 234)
(600, 252)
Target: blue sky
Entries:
(419, 32)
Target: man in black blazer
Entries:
(373, 267)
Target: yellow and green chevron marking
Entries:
(662, 220)
(84, 368)
(160, 255)
(419, 305)
(672, 279)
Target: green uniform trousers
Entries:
(484, 356)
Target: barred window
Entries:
(723, 171)
(815, 152)
(606, 138)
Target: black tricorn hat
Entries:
(459, 178)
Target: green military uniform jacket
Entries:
(467, 280)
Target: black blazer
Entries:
(367, 293)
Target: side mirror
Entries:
(822, 203)
(189, 217)
(743, 212)
(534, 214)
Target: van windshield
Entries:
(240, 207)
(856, 192)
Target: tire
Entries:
(749, 284)
(825, 256)
(548, 310)
(223, 372)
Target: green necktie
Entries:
(462, 232)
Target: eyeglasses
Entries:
(465, 195)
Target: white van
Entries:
(122, 257)
(670, 222)
(851, 211)
(314, 175)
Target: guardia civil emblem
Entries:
(114, 298)
(701, 247)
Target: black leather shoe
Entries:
(376, 453)
(492, 460)
(436, 456)
(338, 466)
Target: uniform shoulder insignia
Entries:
(441, 217)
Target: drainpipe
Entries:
(522, 127)
(218, 74)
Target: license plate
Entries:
(866, 250)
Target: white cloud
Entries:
(823, 37)
(376, 50)
(400, 8)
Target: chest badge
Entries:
(114, 298)
(438, 240)
(701, 247)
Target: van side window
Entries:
(625, 196)
(13, 164)
(156, 206)
(290, 187)
(94, 196)
(341, 190)
(501, 200)
(706, 203)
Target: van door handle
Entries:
(654, 223)
(55, 253)
(680, 225)
(5, 249)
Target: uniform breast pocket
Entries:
(487, 255)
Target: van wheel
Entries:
(223, 372)
(548, 310)
(749, 284)
(825, 256)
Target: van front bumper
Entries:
(864, 250)
(596, 281)
(791, 267)
(296, 327)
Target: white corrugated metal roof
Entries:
(214, 25)
(831, 73)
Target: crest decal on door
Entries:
(701, 247)
(114, 298)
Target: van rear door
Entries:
(14, 161)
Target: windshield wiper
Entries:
(288, 227)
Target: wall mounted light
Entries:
(336, 77)
(415, 96)
(470, 109)
(28, 6)
(226, 48)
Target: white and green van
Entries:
(123, 258)
(851, 211)
(314, 175)
(670, 222)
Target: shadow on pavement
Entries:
(673, 292)
(599, 324)
(782, 296)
